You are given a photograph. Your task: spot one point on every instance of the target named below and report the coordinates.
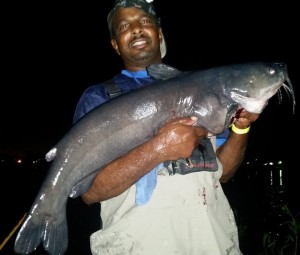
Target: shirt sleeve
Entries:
(222, 138)
(90, 99)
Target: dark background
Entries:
(51, 52)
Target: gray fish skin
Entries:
(112, 129)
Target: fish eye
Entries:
(272, 71)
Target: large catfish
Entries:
(112, 129)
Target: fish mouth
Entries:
(252, 105)
(235, 115)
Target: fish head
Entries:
(215, 112)
(251, 85)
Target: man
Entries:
(149, 205)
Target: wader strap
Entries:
(202, 159)
(112, 89)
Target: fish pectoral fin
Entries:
(83, 185)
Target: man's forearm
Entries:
(231, 154)
(122, 173)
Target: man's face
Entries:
(137, 38)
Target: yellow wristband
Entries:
(239, 131)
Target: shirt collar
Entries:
(137, 74)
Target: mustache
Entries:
(138, 37)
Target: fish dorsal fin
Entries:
(162, 71)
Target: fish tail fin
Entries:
(53, 236)
(55, 239)
(29, 237)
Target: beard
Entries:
(143, 55)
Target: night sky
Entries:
(50, 54)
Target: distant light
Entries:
(19, 161)
(280, 177)
(36, 161)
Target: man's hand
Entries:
(245, 119)
(178, 138)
